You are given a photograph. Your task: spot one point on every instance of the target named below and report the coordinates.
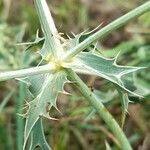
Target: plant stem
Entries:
(19, 119)
(108, 29)
(49, 28)
(101, 110)
(27, 72)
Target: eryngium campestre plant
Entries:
(64, 58)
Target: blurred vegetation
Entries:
(78, 126)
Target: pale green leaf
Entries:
(45, 94)
(72, 42)
(94, 64)
(34, 43)
(35, 84)
(46, 49)
(37, 137)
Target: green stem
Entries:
(27, 72)
(108, 29)
(101, 110)
(19, 119)
(49, 28)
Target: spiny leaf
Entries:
(86, 34)
(72, 42)
(94, 64)
(37, 137)
(45, 96)
(35, 84)
(46, 49)
(34, 43)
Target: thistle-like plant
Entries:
(63, 58)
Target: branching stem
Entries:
(49, 27)
(108, 29)
(101, 110)
(27, 72)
